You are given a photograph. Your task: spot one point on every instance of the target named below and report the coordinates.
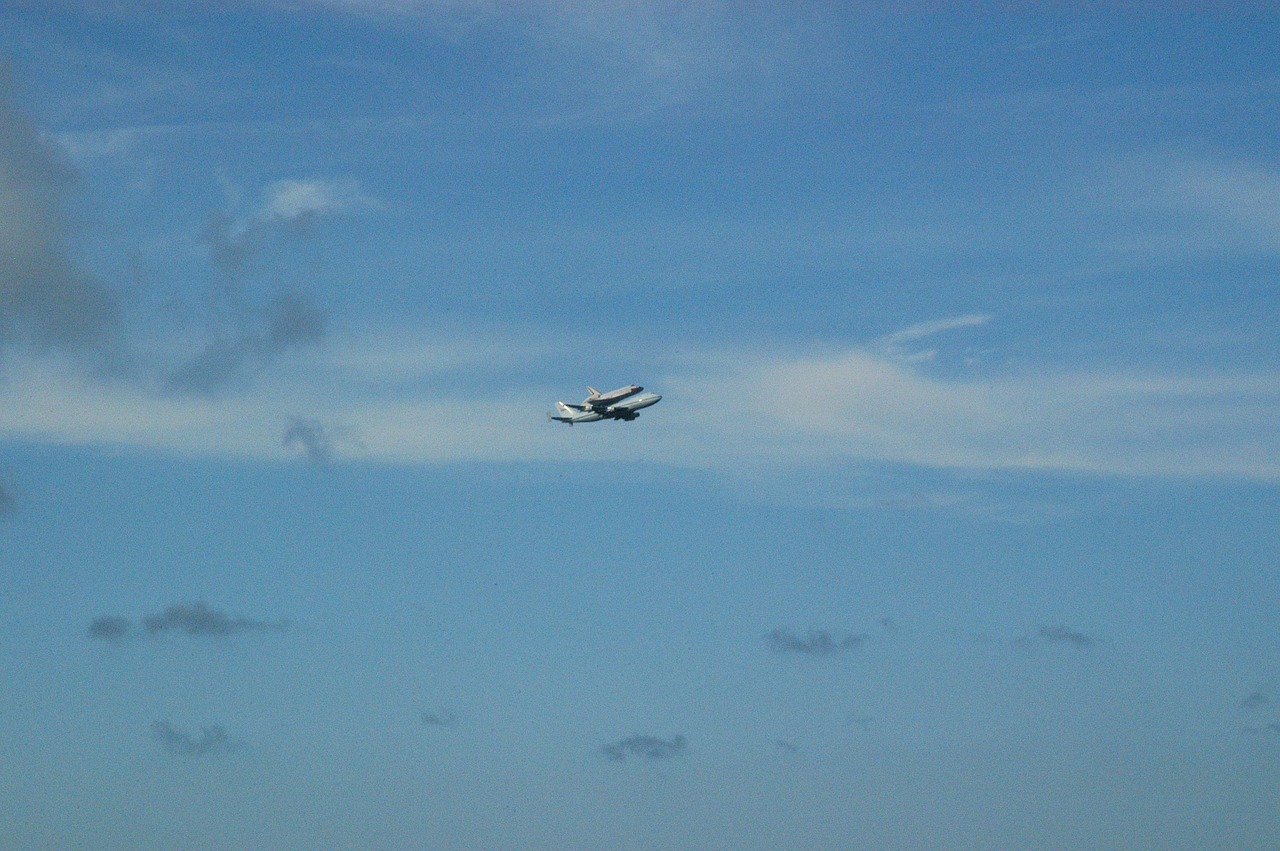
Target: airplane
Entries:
(621, 404)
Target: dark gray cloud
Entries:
(213, 369)
(1266, 729)
(645, 747)
(438, 719)
(1065, 635)
(110, 628)
(311, 437)
(248, 333)
(249, 342)
(212, 739)
(817, 643)
(45, 300)
(292, 322)
(8, 505)
(198, 619)
(1257, 700)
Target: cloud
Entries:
(212, 739)
(8, 504)
(438, 719)
(110, 628)
(1258, 699)
(248, 334)
(623, 60)
(858, 404)
(197, 619)
(286, 209)
(646, 747)
(311, 437)
(45, 300)
(298, 200)
(291, 321)
(775, 411)
(1065, 635)
(252, 342)
(1237, 203)
(817, 643)
(895, 344)
(211, 370)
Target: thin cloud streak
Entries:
(198, 619)
(623, 61)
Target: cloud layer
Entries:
(721, 410)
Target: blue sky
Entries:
(955, 527)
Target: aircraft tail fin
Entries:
(563, 414)
(593, 391)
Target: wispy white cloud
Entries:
(927, 329)
(618, 58)
(1240, 201)
(723, 411)
(294, 199)
(898, 344)
(858, 405)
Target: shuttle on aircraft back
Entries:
(624, 404)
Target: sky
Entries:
(956, 526)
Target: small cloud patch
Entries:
(1259, 699)
(311, 437)
(644, 747)
(431, 718)
(817, 643)
(110, 628)
(1065, 635)
(212, 739)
